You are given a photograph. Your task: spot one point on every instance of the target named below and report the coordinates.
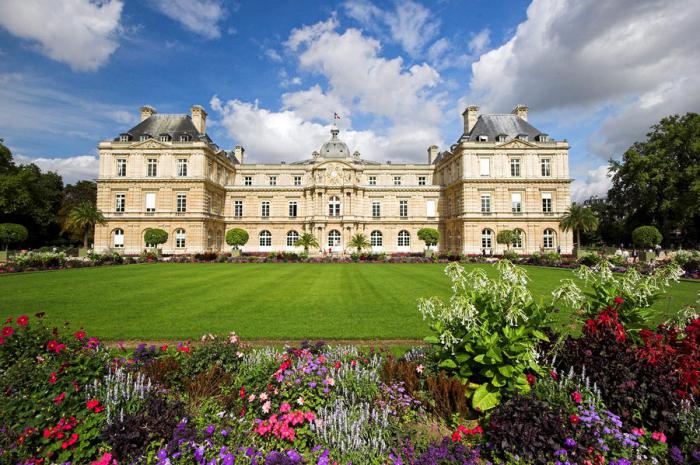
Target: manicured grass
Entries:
(258, 301)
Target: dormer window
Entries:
(124, 138)
(543, 138)
(501, 138)
(144, 137)
(184, 138)
(164, 138)
(483, 138)
(524, 137)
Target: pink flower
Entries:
(23, 320)
(638, 431)
(251, 398)
(300, 400)
(658, 436)
(80, 335)
(285, 407)
(8, 331)
(531, 379)
(554, 375)
(266, 407)
(419, 369)
(576, 397)
(329, 381)
(263, 396)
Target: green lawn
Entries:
(258, 301)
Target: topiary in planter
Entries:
(646, 237)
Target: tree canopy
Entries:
(359, 241)
(236, 237)
(507, 237)
(430, 236)
(579, 218)
(82, 220)
(646, 237)
(657, 182)
(11, 233)
(155, 237)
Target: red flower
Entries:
(576, 397)
(91, 404)
(658, 436)
(51, 345)
(59, 398)
(337, 365)
(619, 300)
(23, 320)
(8, 331)
(53, 378)
(241, 392)
(164, 347)
(531, 379)
(554, 375)
(574, 419)
(80, 335)
(456, 437)
(2, 340)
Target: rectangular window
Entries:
(180, 239)
(123, 138)
(152, 167)
(547, 202)
(421, 180)
(238, 208)
(484, 167)
(516, 202)
(297, 180)
(150, 202)
(430, 208)
(273, 180)
(265, 209)
(181, 204)
(247, 180)
(372, 180)
(485, 203)
(546, 167)
(120, 203)
(182, 167)
(403, 208)
(292, 209)
(397, 180)
(376, 209)
(121, 167)
(164, 138)
(515, 167)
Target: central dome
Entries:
(335, 148)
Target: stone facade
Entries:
(166, 173)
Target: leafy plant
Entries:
(11, 233)
(155, 237)
(646, 237)
(487, 332)
(579, 218)
(306, 240)
(507, 237)
(237, 237)
(82, 220)
(359, 241)
(430, 236)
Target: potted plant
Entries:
(236, 238)
(431, 237)
(646, 238)
(154, 238)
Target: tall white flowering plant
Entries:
(488, 331)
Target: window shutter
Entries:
(150, 201)
(484, 167)
(430, 208)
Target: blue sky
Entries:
(271, 74)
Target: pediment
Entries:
(148, 144)
(516, 144)
(326, 164)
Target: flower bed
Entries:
(495, 388)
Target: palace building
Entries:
(165, 172)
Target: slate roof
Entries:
(172, 125)
(507, 124)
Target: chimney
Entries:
(147, 111)
(521, 111)
(199, 118)
(470, 115)
(238, 152)
(432, 154)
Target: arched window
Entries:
(519, 237)
(180, 238)
(334, 206)
(265, 239)
(486, 238)
(118, 238)
(404, 239)
(375, 239)
(333, 238)
(292, 238)
(548, 238)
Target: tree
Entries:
(11, 233)
(507, 237)
(155, 237)
(657, 182)
(306, 240)
(237, 237)
(579, 218)
(646, 237)
(73, 195)
(83, 219)
(359, 241)
(429, 235)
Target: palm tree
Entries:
(83, 219)
(579, 219)
(359, 241)
(306, 240)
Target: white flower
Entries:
(239, 354)
(263, 396)
(300, 400)
(419, 368)
(266, 407)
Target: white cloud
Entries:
(480, 41)
(596, 183)
(81, 33)
(199, 16)
(314, 104)
(635, 59)
(410, 24)
(72, 169)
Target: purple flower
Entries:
(569, 442)
(211, 429)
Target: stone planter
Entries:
(235, 252)
(3, 256)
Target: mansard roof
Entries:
(501, 124)
(172, 125)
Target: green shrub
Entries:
(155, 237)
(488, 331)
(689, 260)
(646, 237)
(236, 237)
(429, 235)
(225, 353)
(11, 233)
(589, 259)
(511, 255)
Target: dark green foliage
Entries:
(155, 237)
(236, 237)
(11, 233)
(429, 235)
(506, 237)
(646, 237)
